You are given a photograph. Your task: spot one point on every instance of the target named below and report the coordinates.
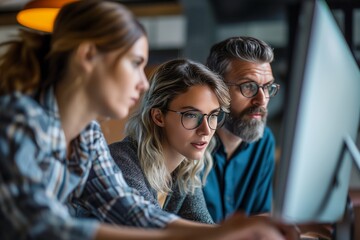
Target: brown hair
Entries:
(36, 60)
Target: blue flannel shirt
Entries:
(244, 182)
(42, 193)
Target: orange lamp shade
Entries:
(40, 14)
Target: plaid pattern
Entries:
(41, 191)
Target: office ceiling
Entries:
(11, 5)
(226, 11)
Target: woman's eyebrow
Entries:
(191, 108)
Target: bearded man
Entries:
(241, 177)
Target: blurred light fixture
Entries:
(40, 14)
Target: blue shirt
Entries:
(244, 182)
(41, 191)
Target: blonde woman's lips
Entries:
(199, 145)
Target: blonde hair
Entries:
(35, 60)
(168, 81)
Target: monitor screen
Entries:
(323, 109)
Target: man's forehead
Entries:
(241, 69)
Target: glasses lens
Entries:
(249, 89)
(216, 120)
(272, 90)
(191, 119)
(213, 120)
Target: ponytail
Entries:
(23, 65)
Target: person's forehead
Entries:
(194, 98)
(240, 69)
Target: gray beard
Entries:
(248, 130)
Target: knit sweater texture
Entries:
(187, 206)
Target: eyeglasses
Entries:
(250, 89)
(192, 119)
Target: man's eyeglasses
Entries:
(192, 119)
(250, 89)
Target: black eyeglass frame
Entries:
(277, 87)
(219, 124)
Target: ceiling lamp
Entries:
(40, 14)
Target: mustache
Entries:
(252, 110)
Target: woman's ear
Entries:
(85, 55)
(158, 117)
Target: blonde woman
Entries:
(169, 137)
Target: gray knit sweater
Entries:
(188, 206)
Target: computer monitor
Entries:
(321, 122)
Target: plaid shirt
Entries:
(42, 192)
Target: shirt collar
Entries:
(220, 145)
(48, 101)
